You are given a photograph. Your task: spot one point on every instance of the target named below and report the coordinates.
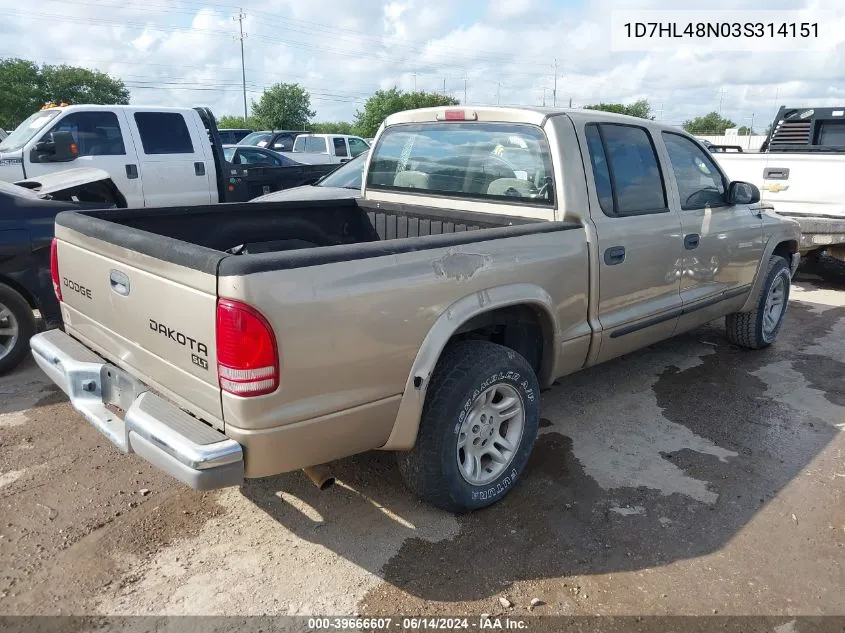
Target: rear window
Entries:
(832, 134)
(490, 161)
(310, 144)
(164, 133)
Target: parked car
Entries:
(799, 171)
(422, 318)
(277, 140)
(27, 212)
(261, 171)
(248, 155)
(155, 156)
(342, 182)
(230, 136)
(328, 148)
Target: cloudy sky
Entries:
(175, 52)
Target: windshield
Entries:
(27, 130)
(347, 176)
(258, 139)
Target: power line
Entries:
(240, 19)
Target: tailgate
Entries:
(155, 319)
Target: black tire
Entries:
(466, 369)
(25, 319)
(746, 328)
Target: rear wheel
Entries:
(759, 327)
(478, 426)
(17, 325)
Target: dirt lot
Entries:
(690, 478)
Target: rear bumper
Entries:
(819, 232)
(152, 427)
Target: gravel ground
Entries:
(690, 478)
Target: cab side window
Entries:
(95, 133)
(626, 171)
(164, 133)
(339, 146)
(700, 183)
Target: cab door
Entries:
(104, 142)
(174, 166)
(639, 239)
(723, 242)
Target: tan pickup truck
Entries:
(492, 251)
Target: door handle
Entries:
(199, 169)
(691, 241)
(614, 255)
(132, 171)
(776, 173)
(119, 282)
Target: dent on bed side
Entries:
(461, 266)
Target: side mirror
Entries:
(57, 147)
(743, 193)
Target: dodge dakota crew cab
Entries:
(492, 251)
(799, 171)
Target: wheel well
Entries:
(522, 328)
(786, 250)
(28, 297)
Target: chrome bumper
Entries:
(152, 427)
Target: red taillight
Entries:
(247, 359)
(54, 269)
(455, 115)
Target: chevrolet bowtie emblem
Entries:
(775, 187)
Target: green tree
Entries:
(234, 121)
(386, 102)
(283, 107)
(710, 124)
(332, 127)
(25, 87)
(640, 109)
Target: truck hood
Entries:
(52, 183)
(93, 185)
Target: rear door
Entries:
(639, 239)
(105, 142)
(174, 164)
(152, 318)
(340, 149)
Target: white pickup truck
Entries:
(156, 156)
(321, 149)
(799, 170)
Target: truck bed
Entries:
(240, 238)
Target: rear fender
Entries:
(404, 433)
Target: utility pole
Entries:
(554, 90)
(660, 112)
(444, 86)
(570, 102)
(240, 19)
(465, 88)
(415, 82)
(721, 96)
(498, 92)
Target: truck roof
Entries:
(521, 114)
(93, 106)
